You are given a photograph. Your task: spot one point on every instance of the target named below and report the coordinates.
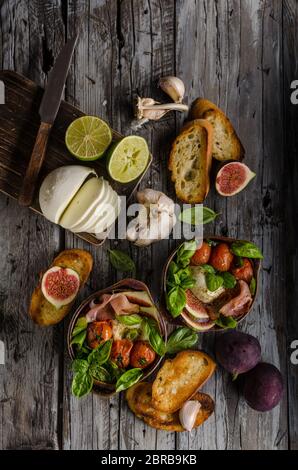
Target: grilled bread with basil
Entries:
(226, 143)
(190, 161)
(41, 310)
(179, 379)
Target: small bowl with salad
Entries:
(212, 285)
(116, 338)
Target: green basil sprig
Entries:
(182, 338)
(227, 323)
(121, 261)
(253, 286)
(153, 335)
(129, 320)
(198, 215)
(81, 325)
(129, 378)
(229, 280)
(100, 373)
(176, 301)
(79, 339)
(246, 250)
(185, 253)
(213, 281)
(86, 370)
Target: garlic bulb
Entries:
(188, 414)
(174, 87)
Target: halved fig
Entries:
(197, 325)
(195, 307)
(60, 285)
(232, 178)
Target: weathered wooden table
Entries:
(241, 54)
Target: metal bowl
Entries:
(181, 321)
(101, 388)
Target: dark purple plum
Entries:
(263, 387)
(237, 352)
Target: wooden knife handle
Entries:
(37, 157)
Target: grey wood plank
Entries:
(29, 379)
(93, 422)
(290, 21)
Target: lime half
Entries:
(128, 159)
(88, 137)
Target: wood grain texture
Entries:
(239, 54)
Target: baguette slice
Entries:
(226, 143)
(190, 161)
(206, 410)
(139, 400)
(41, 310)
(179, 379)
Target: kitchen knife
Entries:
(48, 111)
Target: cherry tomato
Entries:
(142, 355)
(202, 255)
(221, 257)
(243, 273)
(98, 332)
(121, 351)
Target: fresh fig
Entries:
(263, 387)
(60, 285)
(237, 352)
(195, 307)
(232, 178)
(198, 325)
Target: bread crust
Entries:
(194, 162)
(205, 109)
(180, 378)
(41, 310)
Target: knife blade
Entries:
(48, 110)
(53, 93)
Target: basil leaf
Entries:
(253, 286)
(229, 280)
(239, 263)
(184, 278)
(121, 261)
(82, 384)
(79, 339)
(79, 365)
(81, 325)
(197, 215)
(100, 373)
(172, 269)
(101, 354)
(213, 282)
(114, 371)
(176, 301)
(246, 250)
(152, 333)
(208, 268)
(186, 252)
(180, 339)
(227, 323)
(129, 320)
(128, 379)
(132, 334)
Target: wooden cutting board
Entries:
(19, 123)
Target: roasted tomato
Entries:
(121, 351)
(243, 273)
(142, 355)
(202, 255)
(221, 257)
(98, 332)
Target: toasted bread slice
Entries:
(139, 399)
(190, 161)
(41, 310)
(206, 410)
(226, 143)
(179, 379)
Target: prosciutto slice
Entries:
(239, 304)
(109, 306)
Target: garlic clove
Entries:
(174, 87)
(147, 108)
(188, 414)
